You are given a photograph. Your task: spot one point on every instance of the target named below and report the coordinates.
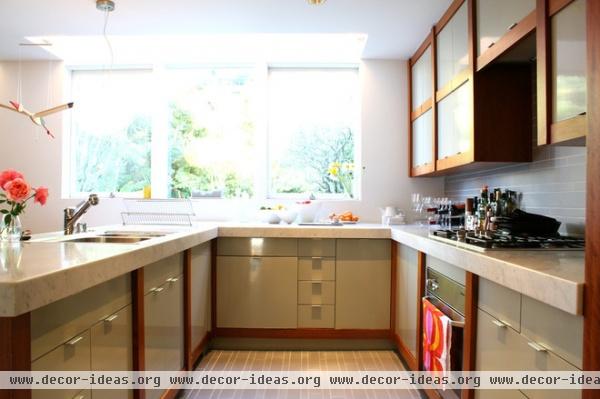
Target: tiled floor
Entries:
(301, 360)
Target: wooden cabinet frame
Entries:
(487, 84)
(567, 131)
(422, 108)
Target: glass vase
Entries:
(11, 231)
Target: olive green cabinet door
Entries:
(406, 291)
(163, 320)
(112, 349)
(363, 284)
(257, 292)
(201, 293)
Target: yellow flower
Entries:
(334, 170)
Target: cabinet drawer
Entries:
(71, 356)
(163, 327)
(558, 331)
(316, 247)
(316, 268)
(235, 246)
(54, 324)
(499, 347)
(157, 273)
(315, 316)
(316, 292)
(548, 361)
(112, 349)
(502, 303)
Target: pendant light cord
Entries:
(108, 44)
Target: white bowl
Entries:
(308, 212)
(269, 216)
(288, 216)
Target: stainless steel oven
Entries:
(448, 296)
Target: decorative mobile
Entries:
(38, 117)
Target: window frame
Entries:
(262, 182)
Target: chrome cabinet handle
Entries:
(432, 284)
(172, 279)
(110, 319)
(490, 45)
(512, 26)
(500, 324)
(74, 341)
(537, 347)
(157, 290)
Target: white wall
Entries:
(25, 147)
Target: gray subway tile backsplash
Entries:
(553, 184)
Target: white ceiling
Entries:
(395, 28)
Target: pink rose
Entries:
(8, 175)
(41, 195)
(17, 189)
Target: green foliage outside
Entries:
(114, 163)
(304, 167)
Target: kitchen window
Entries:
(215, 132)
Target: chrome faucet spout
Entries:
(72, 214)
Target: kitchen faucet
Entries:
(73, 214)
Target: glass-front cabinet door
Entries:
(568, 42)
(421, 115)
(452, 47)
(454, 123)
(422, 84)
(495, 18)
(422, 140)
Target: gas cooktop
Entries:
(502, 241)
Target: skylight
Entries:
(246, 48)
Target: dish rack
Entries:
(167, 212)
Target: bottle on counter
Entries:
(469, 215)
(482, 207)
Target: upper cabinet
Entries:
(422, 82)
(452, 47)
(421, 137)
(500, 24)
(561, 43)
(473, 116)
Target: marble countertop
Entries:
(553, 277)
(34, 274)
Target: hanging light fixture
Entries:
(316, 2)
(105, 5)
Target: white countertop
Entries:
(37, 273)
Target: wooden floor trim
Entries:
(195, 355)
(405, 353)
(302, 333)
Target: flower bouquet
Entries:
(16, 192)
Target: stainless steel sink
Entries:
(109, 239)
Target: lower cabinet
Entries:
(515, 332)
(73, 355)
(406, 296)
(201, 289)
(257, 292)
(90, 330)
(112, 349)
(363, 284)
(163, 325)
